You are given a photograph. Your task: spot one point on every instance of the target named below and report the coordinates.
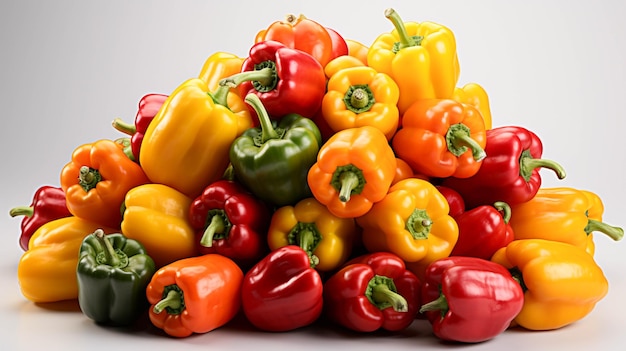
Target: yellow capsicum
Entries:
(47, 270)
(561, 282)
(186, 146)
(475, 95)
(359, 96)
(413, 222)
(420, 57)
(327, 239)
(157, 216)
(562, 214)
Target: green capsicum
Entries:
(273, 160)
(113, 272)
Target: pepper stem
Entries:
(109, 254)
(381, 291)
(88, 177)
(418, 224)
(172, 301)
(438, 304)
(22, 211)
(349, 181)
(528, 164)
(459, 140)
(615, 233)
(265, 79)
(220, 95)
(124, 127)
(308, 242)
(505, 209)
(359, 98)
(267, 130)
(405, 39)
(216, 225)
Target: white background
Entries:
(68, 68)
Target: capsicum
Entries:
(561, 282)
(420, 57)
(230, 221)
(282, 292)
(441, 138)
(354, 170)
(96, 180)
(469, 299)
(327, 239)
(272, 161)
(48, 203)
(194, 295)
(475, 95)
(112, 274)
(371, 292)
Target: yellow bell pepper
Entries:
(562, 214)
(158, 217)
(475, 95)
(340, 63)
(46, 272)
(327, 239)
(562, 283)
(420, 57)
(360, 96)
(187, 143)
(412, 221)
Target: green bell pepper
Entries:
(273, 160)
(112, 273)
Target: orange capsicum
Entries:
(359, 96)
(327, 239)
(354, 170)
(475, 95)
(357, 50)
(442, 138)
(96, 180)
(157, 216)
(187, 143)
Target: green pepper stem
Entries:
(405, 39)
(503, 207)
(22, 211)
(462, 139)
(265, 76)
(267, 130)
(418, 224)
(88, 177)
(349, 181)
(220, 95)
(308, 242)
(172, 300)
(110, 255)
(124, 127)
(216, 225)
(438, 304)
(528, 164)
(385, 296)
(615, 233)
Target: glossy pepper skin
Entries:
(48, 203)
(112, 274)
(186, 145)
(420, 57)
(359, 96)
(371, 292)
(272, 161)
(286, 80)
(96, 180)
(46, 272)
(158, 217)
(483, 230)
(509, 172)
(282, 292)
(441, 138)
(411, 221)
(553, 298)
(327, 239)
(563, 214)
(149, 105)
(194, 295)
(469, 299)
(354, 170)
(455, 200)
(230, 221)
(475, 95)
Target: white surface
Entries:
(69, 67)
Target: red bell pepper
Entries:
(469, 299)
(339, 45)
(509, 172)
(149, 105)
(483, 230)
(371, 292)
(285, 80)
(455, 200)
(282, 292)
(48, 204)
(230, 221)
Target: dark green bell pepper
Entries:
(113, 272)
(273, 160)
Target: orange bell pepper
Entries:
(354, 169)
(442, 138)
(96, 180)
(475, 95)
(357, 50)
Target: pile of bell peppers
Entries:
(318, 178)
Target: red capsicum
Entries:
(286, 80)
(48, 204)
(455, 200)
(282, 291)
(371, 292)
(230, 221)
(483, 230)
(509, 172)
(469, 299)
